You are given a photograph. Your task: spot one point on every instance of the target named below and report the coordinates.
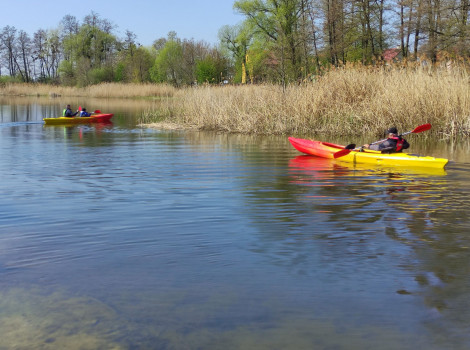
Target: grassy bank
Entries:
(105, 90)
(342, 102)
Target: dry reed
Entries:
(104, 90)
(347, 101)
(343, 102)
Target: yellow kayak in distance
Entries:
(328, 150)
(95, 118)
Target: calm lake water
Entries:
(121, 237)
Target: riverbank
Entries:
(356, 100)
(105, 90)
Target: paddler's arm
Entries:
(405, 144)
(388, 149)
(372, 147)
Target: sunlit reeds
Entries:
(353, 100)
(104, 90)
(346, 101)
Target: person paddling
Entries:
(394, 143)
(84, 113)
(68, 112)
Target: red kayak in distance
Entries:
(94, 118)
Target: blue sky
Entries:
(148, 19)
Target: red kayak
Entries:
(315, 148)
(94, 118)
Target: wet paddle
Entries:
(352, 146)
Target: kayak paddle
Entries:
(352, 146)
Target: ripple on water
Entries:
(200, 240)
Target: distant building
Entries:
(392, 54)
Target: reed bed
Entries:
(110, 90)
(348, 101)
(343, 102)
(104, 90)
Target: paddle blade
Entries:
(341, 153)
(421, 128)
(80, 108)
(344, 151)
(97, 111)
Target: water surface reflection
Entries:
(120, 237)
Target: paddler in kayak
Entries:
(394, 143)
(68, 112)
(84, 113)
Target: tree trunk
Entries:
(417, 38)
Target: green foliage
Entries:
(138, 66)
(119, 74)
(82, 69)
(5, 79)
(167, 66)
(101, 74)
(235, 41)
(276, 24)
(259, 15)
(206, 71)
(88, 54)
(155, 76)
(67, 73)
(258, 63)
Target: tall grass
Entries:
(104, 90)
(353, 100)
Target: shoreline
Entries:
(342, 102)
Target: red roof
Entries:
(390, 54)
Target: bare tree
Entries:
(22, 60)
(130, 42)
(465, 32)
(314, 32)
(40, 52)
(8, 39)
(335, 30)
(433, 9)
(69, 25)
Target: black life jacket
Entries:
(399, 141)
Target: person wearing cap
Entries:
(67, 112)
(394, 143)
(84, 113)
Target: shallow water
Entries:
(121, 237)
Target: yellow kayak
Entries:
(328, 150)
(95, 118)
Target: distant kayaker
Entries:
(84, 113)
(68, 112)
(394, 143)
